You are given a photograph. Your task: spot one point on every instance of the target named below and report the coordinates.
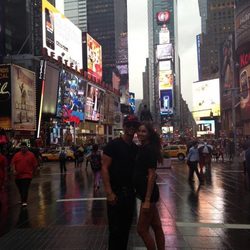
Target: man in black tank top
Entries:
(117, 172)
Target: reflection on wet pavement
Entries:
(65, 213)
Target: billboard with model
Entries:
(227, 72)
(206, 98)
(244, 81)
(23, 94)
(61, 36)
(94, 57)
(94, 108)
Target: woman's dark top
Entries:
(146, 158)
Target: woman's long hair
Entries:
(154, 140)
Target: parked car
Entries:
(53, 155)
(179, 151)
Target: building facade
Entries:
(217, 21)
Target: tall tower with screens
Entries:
(163, 62)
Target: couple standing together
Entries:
(128, 172)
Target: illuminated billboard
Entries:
(61, 36)
(132, 102)
(166, 79)
(206, 98)
(165, 65)
(94, 58)
(205, 127)
(94, 108)
(164, 35)
(5, 96)
(23, 94)
(162, 17)
(166, 101)
(164, 51)
(71, 97)
(244, 80)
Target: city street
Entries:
(64, 213)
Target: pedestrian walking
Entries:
(62, 161)
(205, 157)
(149, 154)
(118, 164)
(95, 163)
(24, 164)
(192, 162)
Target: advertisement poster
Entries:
(61, 36)
(166, 79)
(5, 97)
(245, 91)
(205, 127)
(132, 102)
(227, 72)
(94, 108)
(94, 57)
(71, 97)
(206, 98)
(23, 98)
(164, 51)
(166, 101)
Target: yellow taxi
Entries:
(53, 155)
(179, 151)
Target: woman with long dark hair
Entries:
(147, 191)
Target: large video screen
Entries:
(166, 101)
(23, 93)
(206, 98)
(244, 81)
(61, 36)
(205, 127)
(94, 57)
(71, 97)
(164, 51)
(94, 108)
(166, 79)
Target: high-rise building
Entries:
(217, 21)
(76, 11)
(164, 96)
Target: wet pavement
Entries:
(64, 213)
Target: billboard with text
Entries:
(61, 36)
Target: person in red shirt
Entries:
(24, 164)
